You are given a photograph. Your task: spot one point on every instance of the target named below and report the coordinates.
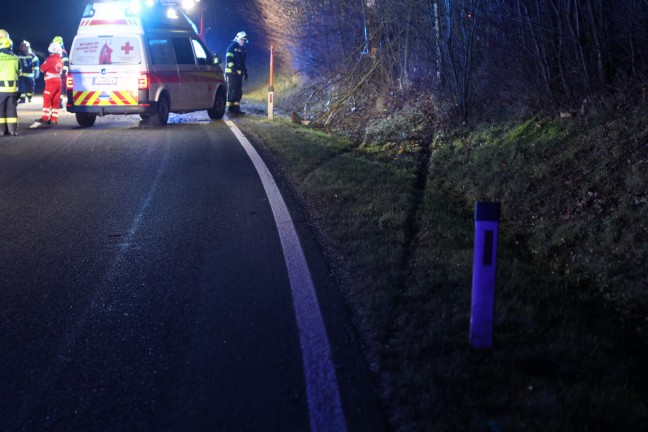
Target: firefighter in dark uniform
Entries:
(9, 70)
(29, 71)
(236, 72)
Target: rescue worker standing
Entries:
(52, 69)
(235, 72)
(9, 70)
(29, 71)
(66, 63)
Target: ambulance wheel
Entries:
(161, 116)
(218, 109)
(86, 120)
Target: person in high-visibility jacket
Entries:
(66, 64)
(52, 69)
(29, 71)
(9, 70)
(236, 72)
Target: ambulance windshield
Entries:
(106, 50)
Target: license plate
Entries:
(104, 81)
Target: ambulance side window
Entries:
(184, 51)
(162, 51)
(201, 53)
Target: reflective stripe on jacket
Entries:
(29, 65)
(66, 61)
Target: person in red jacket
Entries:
(52, 69)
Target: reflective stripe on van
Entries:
(98, 98)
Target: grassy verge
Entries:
(570, 353)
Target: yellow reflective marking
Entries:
(79, 96)
(93, 98)
(128, 96)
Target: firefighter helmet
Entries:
(5, 42)
(25, 44)
(3, 33)
(55, 48)
(58, 40)
(241, 36)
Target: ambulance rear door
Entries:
(105, 71)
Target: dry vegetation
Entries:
(558, 54)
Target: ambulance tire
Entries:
(86, 120)
(161, 116)
(217, 111)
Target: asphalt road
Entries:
(143, 287)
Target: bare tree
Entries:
(555, 50)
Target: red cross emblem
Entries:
(127, 48)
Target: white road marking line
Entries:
(324, 403)
(137, 221)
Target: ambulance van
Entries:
(128, 58)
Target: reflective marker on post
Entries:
(487, 216)
(271, 86)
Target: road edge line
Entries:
(324, 402)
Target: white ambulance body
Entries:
(147, 61)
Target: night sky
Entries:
(38, 22)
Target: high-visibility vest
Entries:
(8, 72)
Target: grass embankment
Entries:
(570, 345)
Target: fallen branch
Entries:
(328, 114)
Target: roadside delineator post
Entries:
(271, 86)
(487, 216)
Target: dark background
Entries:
(38, 22)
